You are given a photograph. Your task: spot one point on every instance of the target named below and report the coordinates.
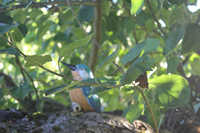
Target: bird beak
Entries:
(72, 67)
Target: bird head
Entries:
(80, 71)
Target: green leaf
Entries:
(172, 64)
(170, 90)
(134, 111)
(22, 91)
(141, 65)
(3, 42)
(156, 110)
(86, 13)
(191, 40)
(17, 35)
(4, 18)
(111, 98)
(148, 46)
(136, 5)
(106, 7)
(173, 38)
(192, 2)
(66, 17)
(108, 59)
(23, 29)
(6, 27)
(35, 60)
(195, 64)
(10, 51)
(67, 49)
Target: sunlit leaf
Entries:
(108, 59)
(136, 5)
(170, 90)
(67, 49)
(35, 60)
(138, 67)
(195, 64)
(148, 46)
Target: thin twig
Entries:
(23, 71)
(150, 109)
(155, 18)
(46, 69)
(45, 4)
(50, 71)
(20, 67)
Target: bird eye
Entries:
(76, 107)
(73, 68)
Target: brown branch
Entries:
(97, 38)
(155, 18)
(45, 4)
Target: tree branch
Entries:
(97, 39)
(45, 4)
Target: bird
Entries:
(83, 98)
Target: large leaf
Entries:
(191, 40)
(148, 46)
(86, 13)
(136, 5)
(134, 111)
(141, 65)
(172, 64)
(67, 49)
(173, 38)
(35, 60)
(108, 59)
(170, 90)
(22, 91)
(6, 27)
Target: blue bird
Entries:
(83, 98)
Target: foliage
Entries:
(137, 36)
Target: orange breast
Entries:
(76, 95)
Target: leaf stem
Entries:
(149, 108)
